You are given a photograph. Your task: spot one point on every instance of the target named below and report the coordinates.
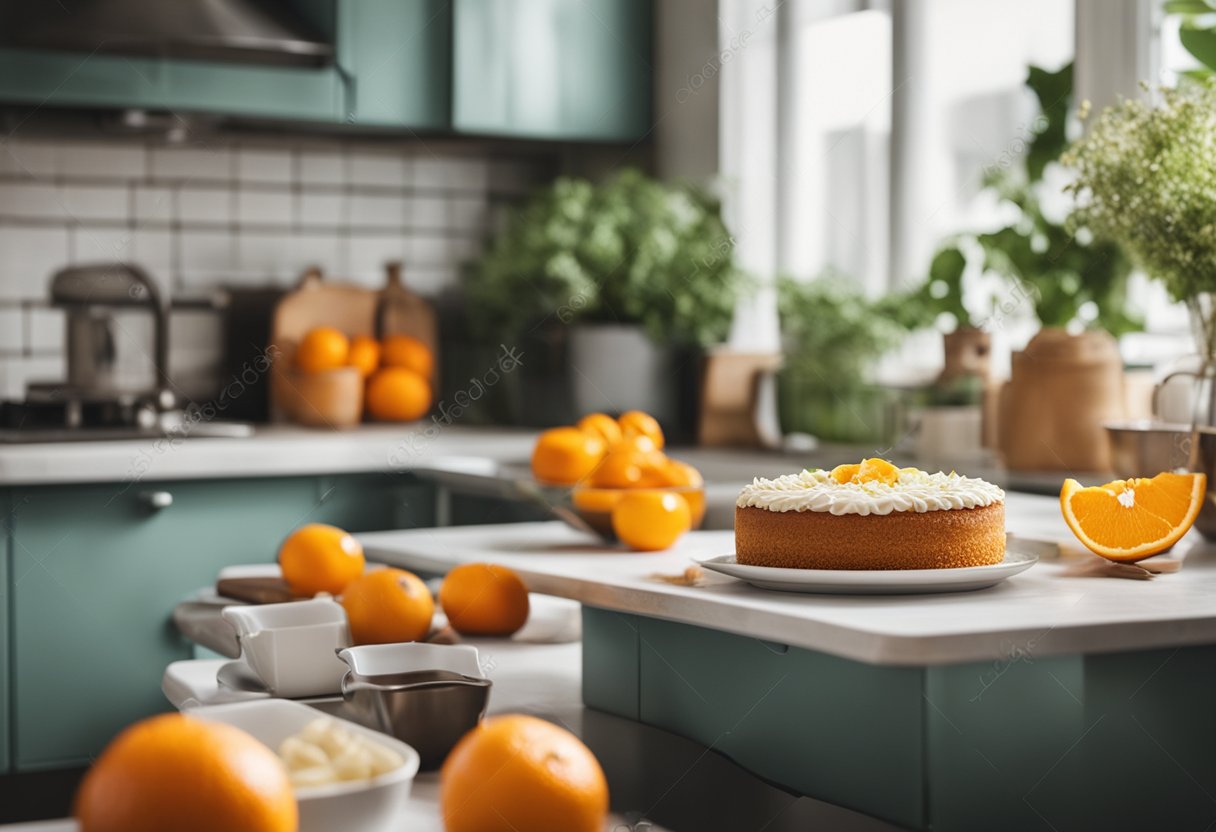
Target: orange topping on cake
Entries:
(869, 470)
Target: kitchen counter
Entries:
(274, 450)
(1041, 610)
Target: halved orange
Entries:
(1129, 520)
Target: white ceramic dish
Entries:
(375, 805)
(292, 647)
(409, 657)
(877, 581)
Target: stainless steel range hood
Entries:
(237, 31)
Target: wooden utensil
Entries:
(256, 590)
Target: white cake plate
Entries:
(1018, 558)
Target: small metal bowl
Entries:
(1143, 448)
(426, 695)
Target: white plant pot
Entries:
(949, 434)
(615, 367)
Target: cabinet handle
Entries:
(156, 500)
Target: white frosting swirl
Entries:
(914, 491)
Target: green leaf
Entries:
(1050, 138)
(1200, 42)
(1188, 7)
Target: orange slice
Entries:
(1129, 520)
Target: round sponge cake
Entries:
(870, 516)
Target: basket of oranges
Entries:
(329, 371)
(619, 481)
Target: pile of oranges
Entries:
(397, 370)
(386, 605)
(618, 470)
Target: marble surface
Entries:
(271, 451)
(1044, 611)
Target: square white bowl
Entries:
(375, 805)
(292, 647)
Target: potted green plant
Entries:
(832, 335)
(1146, 178)
(640, 272)
(1068, 380)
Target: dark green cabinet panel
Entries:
(6, 505)
(398, 53)
(562, 69)
(96, 575)
(63, 79)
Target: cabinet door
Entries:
(95, 577)
(399, 55)
(558, 69)
(6, 505)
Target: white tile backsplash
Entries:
(33, 200)
(256, 165)
(96, 202)
(12, 330)
(220, 212)
(264, 208)
(28, 258)
(45, 329)
(205, 205)
(193, 164)
(376, 211)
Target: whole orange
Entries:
(635, 423)
(650, 520)
(321, 349)
(388, 605)
(409, 352)
(364, 354)
(177, 772)
(601, 423)
(689, 479)
(395, 394)
(517, 773)
(565, 455)
(633, 462)
(484, 599)
(320, 558)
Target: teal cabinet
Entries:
(398, 56)
(6, 506)
(555, 69)
(96, 572)
(66, 79)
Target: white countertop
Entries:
(1041, 612)
(272, 451)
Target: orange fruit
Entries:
(483, 599)
(181, 773)
(364, 354)
(596, 500)
(408, 352)
(877, 470)
(564, 456)
(321, 349)
(845, 473)
(1129, 520)
(633, 462)
(601, 423)
(687, 478)
(320, 558)
(517, 773)
(388, 605)
(651, 520)
(395, 394)
(635, 422)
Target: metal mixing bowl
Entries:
(1143, 449)
(428, 709)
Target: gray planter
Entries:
(616, 367)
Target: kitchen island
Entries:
(1009, 708)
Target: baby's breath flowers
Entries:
(1146, 178)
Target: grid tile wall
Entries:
(234, 213)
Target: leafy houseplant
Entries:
(642, 271)
(1146, 177)
(1056, 266)
(832, 337)
(632, 250)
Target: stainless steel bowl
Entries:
(1143, 449)
(427, 709)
